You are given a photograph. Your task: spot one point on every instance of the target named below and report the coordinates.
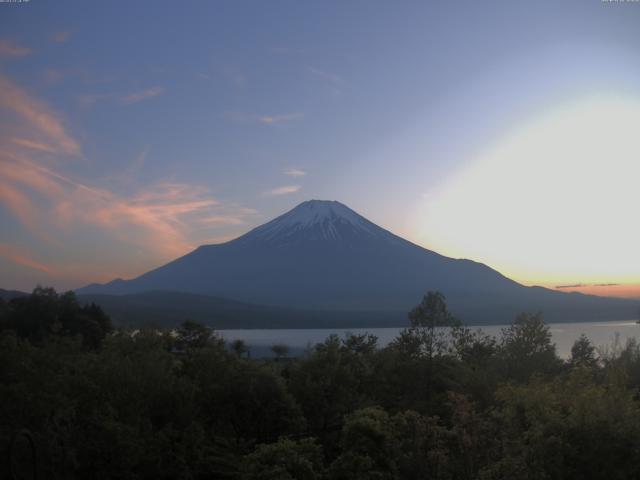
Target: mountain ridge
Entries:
(321, 255)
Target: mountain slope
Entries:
(323, 255)
(168, 308)
(7, 295)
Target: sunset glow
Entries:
(508, 147)
(563, 187)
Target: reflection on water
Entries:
(601, 334)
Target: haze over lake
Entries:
(601, 335)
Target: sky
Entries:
(505, 132)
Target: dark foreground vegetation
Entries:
(88, 402)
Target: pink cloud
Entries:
(294, 172)
(9, 49)
(264, 119)
(51, 75)
(41, 120)
(43, 147)
(20, 205)
(61, 36)
(149, 224)
(18, 256)
(143, 95)
(161, 217)
(89, 99)
(285, 190)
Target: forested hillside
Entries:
(87, 401)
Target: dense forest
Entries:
(80, 399)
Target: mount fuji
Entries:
(322, 256)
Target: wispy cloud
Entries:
(580, 285)
(285, 190)
(234, 76)
(327, 76)
(294, 172)
(25, 142)
(10, 49)
(142, 95)
(41, 120)
(278, 119)
(52, 75)
(87, 100)
(242, 117)
(222, 220)
(285, 51)
(162, 219)
(19, 256)
(61, 36)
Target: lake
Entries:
(601, 334)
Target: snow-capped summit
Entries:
(323, 256)
(315, 220)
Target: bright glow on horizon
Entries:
(556, 201)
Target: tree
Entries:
(284, 460)
(245, 401)
(476, 371)
(583, 353)
(526, 348)
(45, 314)
(192, 335)
(427, 321)
(364, 344)
(569, 427)
(280, 350)
(239, 347)
(424, 447)
(329, 384)
(424, 343)
(370, 447)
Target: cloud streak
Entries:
(580, 285)
(294, 172)
(18, 256)
(10, 49)
(279, 119)
(40, 119)
(329, 77)
(284, 190)
(160, 217)
(142, 95)
(157, 222)
(61, 36)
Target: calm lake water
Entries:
(601, 334)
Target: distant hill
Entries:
(7, 295)
(322, 256)
(163, 308)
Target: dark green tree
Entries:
(284, 460)
(430, 321)
(280, 350)
(583, 353)
(239, 347)
(45, 313)
(190, 336)
(526, 348)
(370, 447)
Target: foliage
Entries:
(284, 460)
(439, 402)
(526, 348)
(45, 313)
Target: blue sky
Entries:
(135, 132)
